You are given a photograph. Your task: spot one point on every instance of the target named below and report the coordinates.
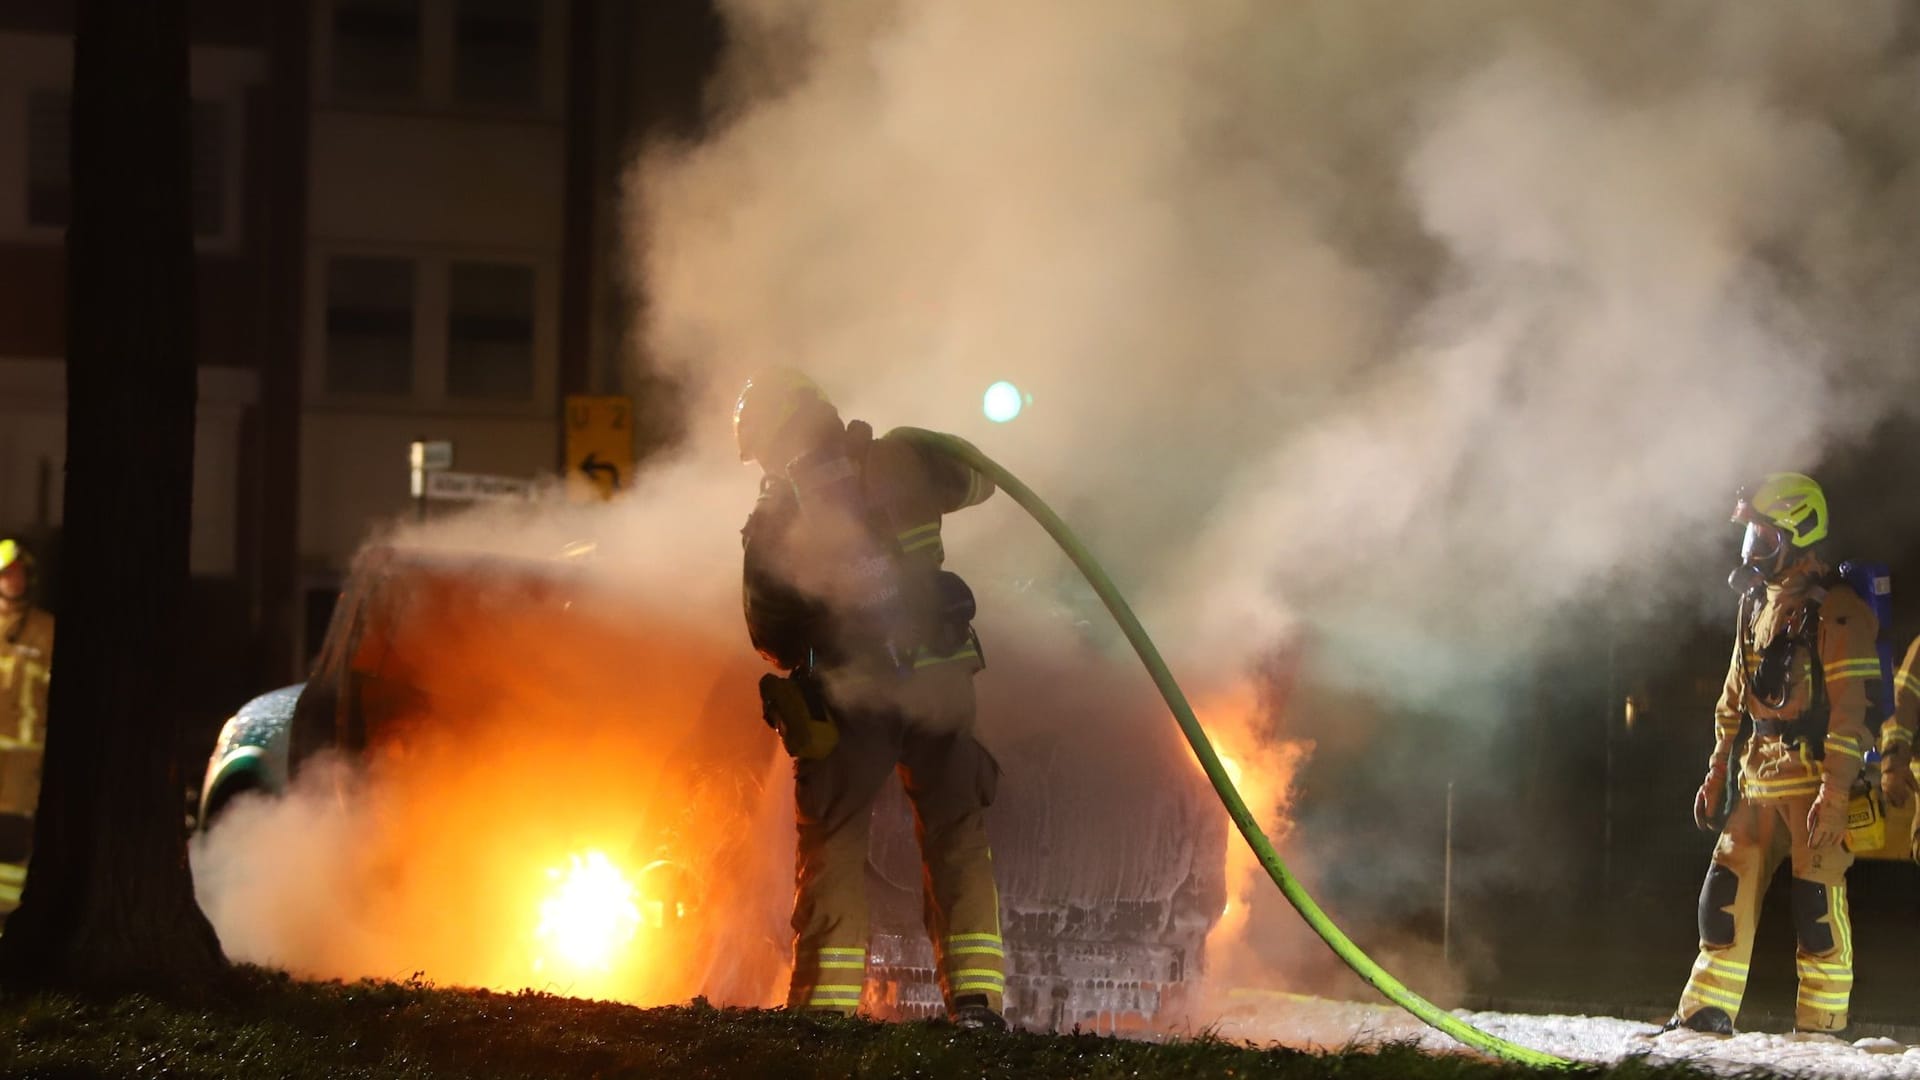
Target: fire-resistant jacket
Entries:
(905, 489)
(26, 665)
(1779, 765)
(1898, 730)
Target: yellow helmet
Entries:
(1790, 502)
(13, 551)
(767, 404)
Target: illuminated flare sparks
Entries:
(591, 916)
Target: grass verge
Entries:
(277, 1027)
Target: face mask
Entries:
(1763, 551)
(1748, 580)
(1763, 545)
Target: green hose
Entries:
(1343, 946)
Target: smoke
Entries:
(1340, 312)
(526, 722)
(1383, 336)
(1424, 337)
(528, 715)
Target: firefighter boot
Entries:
(972, 1013)
(1709, 1020)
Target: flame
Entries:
(1237, 853)
(570, 813)
(1261, 768)
(589, 920)
(558, 793)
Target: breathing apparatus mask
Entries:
(1764, 550)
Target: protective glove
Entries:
(1827, 818)
(1896, 776)
(1707, 802)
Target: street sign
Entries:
(475, 487)
(431, 456)
(425, 458)
(599, 445)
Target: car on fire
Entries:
(1109, 848)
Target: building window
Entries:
(496, 56)
(490, 332)
(369, 333)
(50, 196)
(376, 48)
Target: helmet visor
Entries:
(1763, 543)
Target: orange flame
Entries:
(1261, 768)
(589, 921)
(559, 793)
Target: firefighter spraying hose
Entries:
(1296, 894)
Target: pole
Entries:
(1446, 889)
(1606, 781)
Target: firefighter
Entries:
(845, 591)
(26, 654)
(1803, 657)
(1897, 733)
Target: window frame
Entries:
(323, 311)
(440, 47)
(432, 319)
(446, 383)
(535, 104)
(329, 69)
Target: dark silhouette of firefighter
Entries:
(26, 668)
(845, 593)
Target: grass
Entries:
(276, 1027)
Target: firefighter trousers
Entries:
(1757, 838)
(950, 779)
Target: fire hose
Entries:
(1296, 894)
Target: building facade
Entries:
(408, 227)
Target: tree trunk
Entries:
(109, 901)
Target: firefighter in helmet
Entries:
(26, 655)
(845, 592)
(1803, 658)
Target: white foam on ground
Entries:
(1319, 1024)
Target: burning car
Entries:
(599, 781)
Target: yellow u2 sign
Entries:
(599, 445)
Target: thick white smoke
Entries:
(1379, 333)
(1371, 314)
(1415, 332)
